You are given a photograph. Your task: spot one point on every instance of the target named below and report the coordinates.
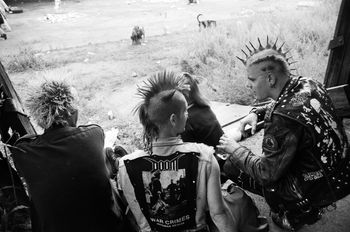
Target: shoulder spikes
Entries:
(252, 50)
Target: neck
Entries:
(277, 91)
(166, 133)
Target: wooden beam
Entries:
(340, 96)
(25, 126)
(338, 68)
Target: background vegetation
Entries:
(212, 54)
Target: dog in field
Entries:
(205, 23)
(137, 35)
(193, 1)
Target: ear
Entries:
(172, 119)
(272, 79)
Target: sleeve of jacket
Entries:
(279, 146)
(260, 111)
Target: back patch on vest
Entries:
(165, 188)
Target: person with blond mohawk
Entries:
(305, 165)
(171, 185)
(64, 168)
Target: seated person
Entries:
(64, 168)
(170, 185)
(202, 125)
(305, 162)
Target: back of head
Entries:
(160, 98)
(163, 105)
(52, 103)
(270, 61)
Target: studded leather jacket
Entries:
(305, 159)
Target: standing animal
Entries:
(137, 35)
(205, 23)
(193, 1)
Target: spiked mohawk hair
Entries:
(269, 52)
(51, 103)
(159, 88)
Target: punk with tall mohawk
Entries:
(169, 163)
(305, 157)
(156, 91)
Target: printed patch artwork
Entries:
(164, 191)
(166, 194)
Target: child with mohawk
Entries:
(171, 184)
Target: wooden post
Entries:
(337, 79)
(338, 68)
(24, 126)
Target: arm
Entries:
(219, 212)
(280, 144)
(256, 115)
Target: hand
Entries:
(251, 119)
(183, 85)
(234, 134)
(227, 145)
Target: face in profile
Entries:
(258, 81)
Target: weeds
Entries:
(26, 59)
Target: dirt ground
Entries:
(90, 39)
(80, 22)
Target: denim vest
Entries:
(167, 190)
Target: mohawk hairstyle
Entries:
(163, 85)
(269, 52)
(51, 103)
